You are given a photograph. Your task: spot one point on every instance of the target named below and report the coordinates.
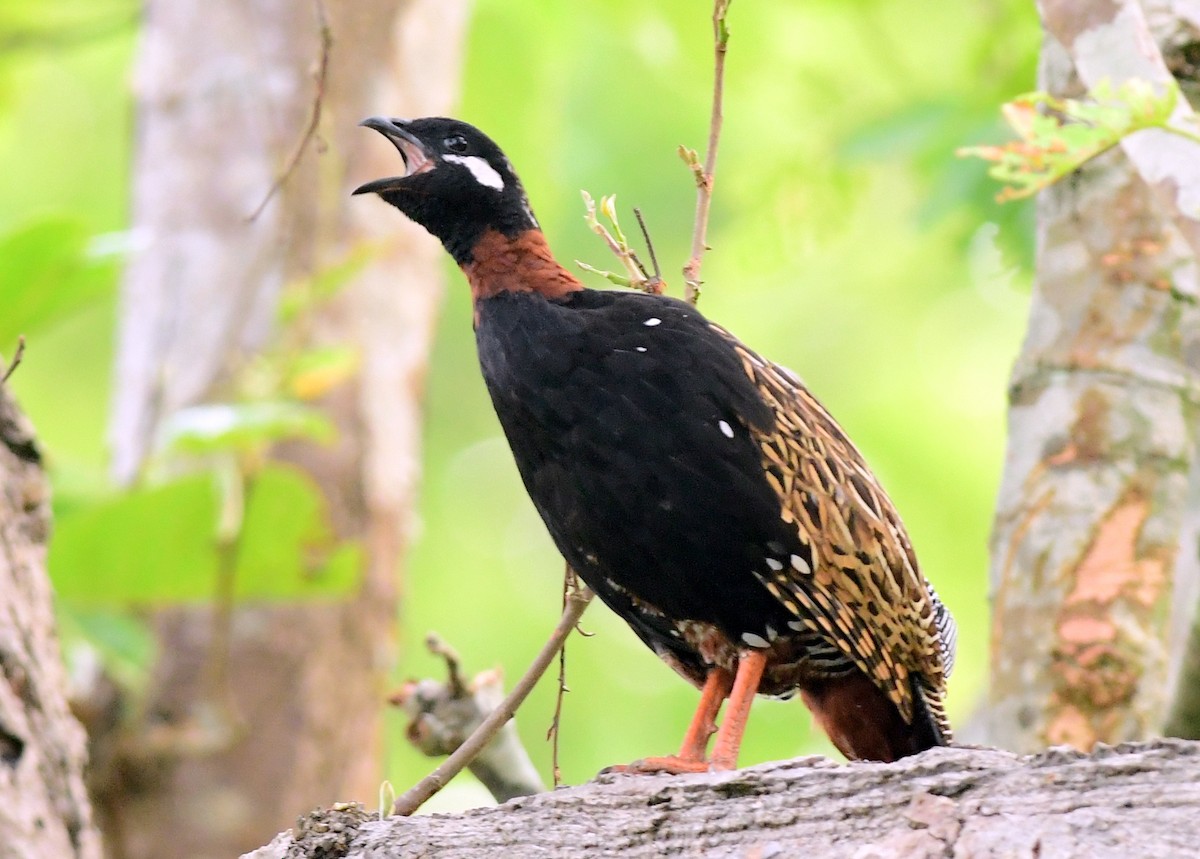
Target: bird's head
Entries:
(456, 183)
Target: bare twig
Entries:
(16, 359)
(554, 732)
(570, 585)
(314, 118)
(655, 284)
(705, 175)
(438, 647)
(415, 797)
(636, 276)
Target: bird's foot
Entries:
(671, 764)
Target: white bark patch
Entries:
(484, 173)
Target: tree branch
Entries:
(1168, 163)
(416, 796)
(705, 176)
(44, 805)
(16, 360)
(442, 715)
(1129, 800)
(314, 116)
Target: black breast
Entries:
(629, 418)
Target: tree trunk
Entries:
(1094, 553)
(225, 91)
(44, 808)
(1136, 800)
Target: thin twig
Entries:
(436, 645)
(216, 685)
(570, 584)
(636, 276)
(415, 797)
(556, 723)
(16, 359)
(705, 175)
(655, 284)
(314, 118)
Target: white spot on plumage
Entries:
(801, 566)
(771, 633)
(652, 321)
(726, 429)
(774, 564)
(641, 348)
(755, 640)
(484, 173)
(529, 213)
(796, 625)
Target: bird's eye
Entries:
(457, 143)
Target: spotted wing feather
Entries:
(859, 587)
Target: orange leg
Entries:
(729, 738)
(691, 757)
(704, 722)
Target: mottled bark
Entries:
(1094, 571)
(1115, 803)
(225, 89)
(44, 808)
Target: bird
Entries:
(699, 489)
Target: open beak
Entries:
(416, 158)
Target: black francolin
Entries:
(699, 489)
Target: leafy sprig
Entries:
(1056, 136)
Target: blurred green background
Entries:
(849, 243)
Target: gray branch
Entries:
(1132, 800)
(443, 715)
(44, 808)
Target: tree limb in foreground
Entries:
(1129, 800)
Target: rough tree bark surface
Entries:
(225, 90)
(1094, 564)
(1138, 800)
(44, 808)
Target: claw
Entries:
(670, 764)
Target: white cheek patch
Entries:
(484, 173)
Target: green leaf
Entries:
(158, 546)
(1058, 135)
(215, 427)
(124, 643)
(303, 296)
(317, 371)
(287, 547)
(903, 133)
(46, 274)
(149, 546)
